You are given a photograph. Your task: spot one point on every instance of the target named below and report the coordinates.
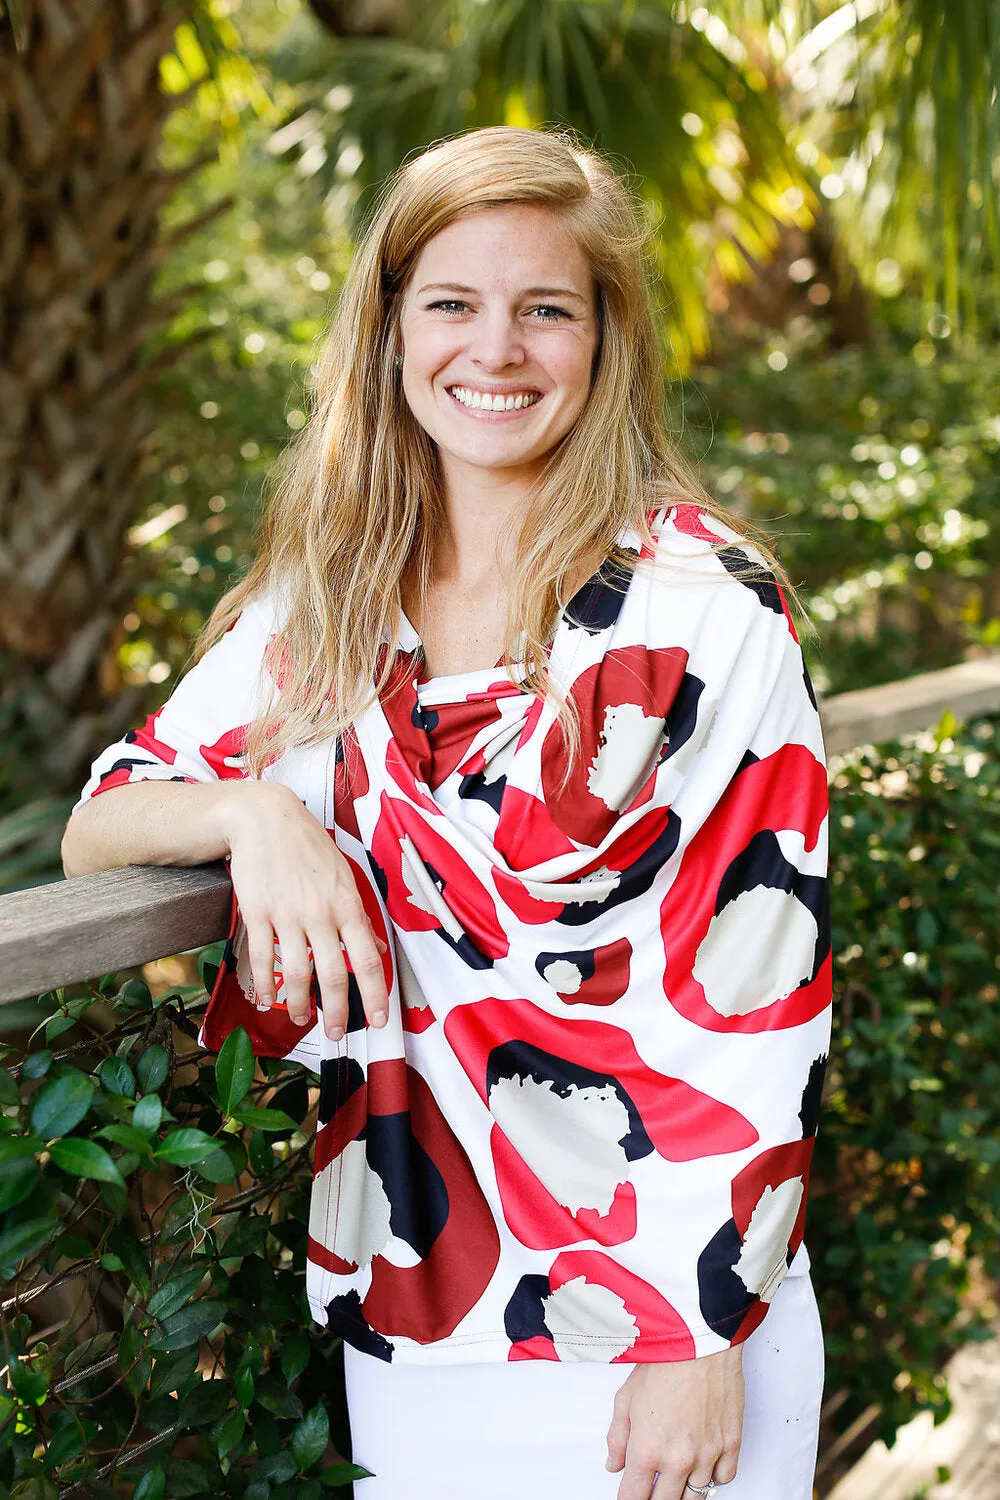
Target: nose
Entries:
(497, 341)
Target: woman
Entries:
(509, 740)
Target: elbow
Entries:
(72, 850)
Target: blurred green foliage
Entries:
(877, 473)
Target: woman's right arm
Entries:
(158, 823)
(174, 793)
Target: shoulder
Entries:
(694, 545)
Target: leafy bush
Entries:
(156, 1332)
(905, 1211)
(155, 1200)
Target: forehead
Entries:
(515, 244)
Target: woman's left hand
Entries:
(683, 1421)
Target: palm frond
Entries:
(682, 104)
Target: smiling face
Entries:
(500, 327)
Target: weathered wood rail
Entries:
(54, 934)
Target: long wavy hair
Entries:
(355, 503)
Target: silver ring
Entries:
(702, 1489)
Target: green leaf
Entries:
(8, 1089)
(186, 1477)
(85, 1159)
(264, 1119)
(134, 995)
(230, 1432)
(310, 1438)
(234, 1069)
(124, 1135)
(19, 1170)
(57, 1025)
(117, 1077)
(175, 1292)
(25, 1239)
(247, 1237)
(217, 1167)
(186, 1147)
(30, 1376)
(188, 1325)
(274, 1397)
(61, 1104)
(205, 1403)
(152, 1484)
(36, 1064)
(35, 1488)
(134, 1257)
(343, 1473)
(294, 1354)
(74, 1245)
(244, 1382)
(152, 1068)
(67, 1443)
(171, 1372)
(148, 1113)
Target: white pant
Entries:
(535, 1429)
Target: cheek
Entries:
(573, 371)
(428, 349)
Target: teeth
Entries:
(485, 401)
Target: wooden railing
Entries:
(54, 934)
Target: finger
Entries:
(260, 951)
(332, 979)
(366, 962)
(725, 1469)
(670, 1476)
(638, 1479)
(297, 973)
(618, 1435)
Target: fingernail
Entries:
(382, 947)
(379, 1018)
(336, 1033)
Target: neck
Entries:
(484, 511)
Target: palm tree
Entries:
(82, 116)
(907, 93)
(682, 102)
(705, 102)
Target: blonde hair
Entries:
(355, 502)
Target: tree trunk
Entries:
(81, 189)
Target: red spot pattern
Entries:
(681, 1122)
(786, 790)
(465, 896)
(659, 1323)
(427, 1301)
(635, 675)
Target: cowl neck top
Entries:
(586, 1131)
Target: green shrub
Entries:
(154, 1200)
(906, 1191)
(158, 1200)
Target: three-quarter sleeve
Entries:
(199, 733)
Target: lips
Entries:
(469, 397)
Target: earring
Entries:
(398, 360)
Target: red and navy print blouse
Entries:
(586, 1131)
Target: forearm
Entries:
(159, 823)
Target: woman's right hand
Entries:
(295, 887)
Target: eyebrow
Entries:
(529, 291)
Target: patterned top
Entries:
(586, 1131)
